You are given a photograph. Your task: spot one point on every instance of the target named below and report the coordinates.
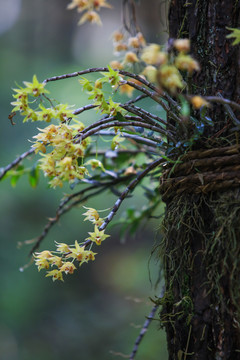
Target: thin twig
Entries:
(153, 95)
(223, 101)
(3, 171)
(61, 211)
(138, 98)
(100, 69)
(121, 72)
(129, 188)
(148, 116)
(105, 120)
(145, 327)
(84, 108)
(138, 123)
(137, 138)
(64, 207)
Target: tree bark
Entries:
(201, 248)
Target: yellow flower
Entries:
(186, 63)
(91, 214)
(56, 260)
(134, 42)
(39, 147)
(78, 252)
(68, 267)
(182, 45)
(46, 134)
(56, 275)
(97, 4)
(130, 57)
(42, 264)
(94, 164)
(79, 4)
(97, 236)
(35, 88)
(120, 47)
(47, 165)
(98, 84)
(43, 255)
(141, 39)
(62, 247)
(90, 16)
(150, 72)
(117, 36)
(170, 78)
(66, 164)
(56, 182)
(197, 102)
(98, 222)
(89, 255)
(153, 56)
(42, 259)
(116, 65)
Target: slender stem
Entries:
(125, 123)
(145, 327)
(153, 95)
(148, 116)
(137, 138)
(138, 98)
(100, 69)
(61, 211)
(105, 120)
(64, 207)
(223, 101)
(128, 189)
(84, 108)
(3, 171)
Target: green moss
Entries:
(201, 230)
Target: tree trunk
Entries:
(201, 247)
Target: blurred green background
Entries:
(99, 310)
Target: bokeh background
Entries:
(98, 312)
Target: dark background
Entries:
(100, 309)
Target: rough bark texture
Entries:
(202, 243)
(205, 22)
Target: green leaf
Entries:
(234, 34)
(185, 108)
(33, 176)
(16, 174)
(119, 117)
(14, 180)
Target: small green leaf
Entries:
(119, 117)
(185, 108)
(234, 34)
(14, 180)
(33, 176)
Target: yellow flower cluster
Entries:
(21, 104)
(45, 259)
(160, 66)
(63, 162)
(36, 90)
(130, 47)
(77, 252)
(90, 7)
(107, 106)
(164, 68)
